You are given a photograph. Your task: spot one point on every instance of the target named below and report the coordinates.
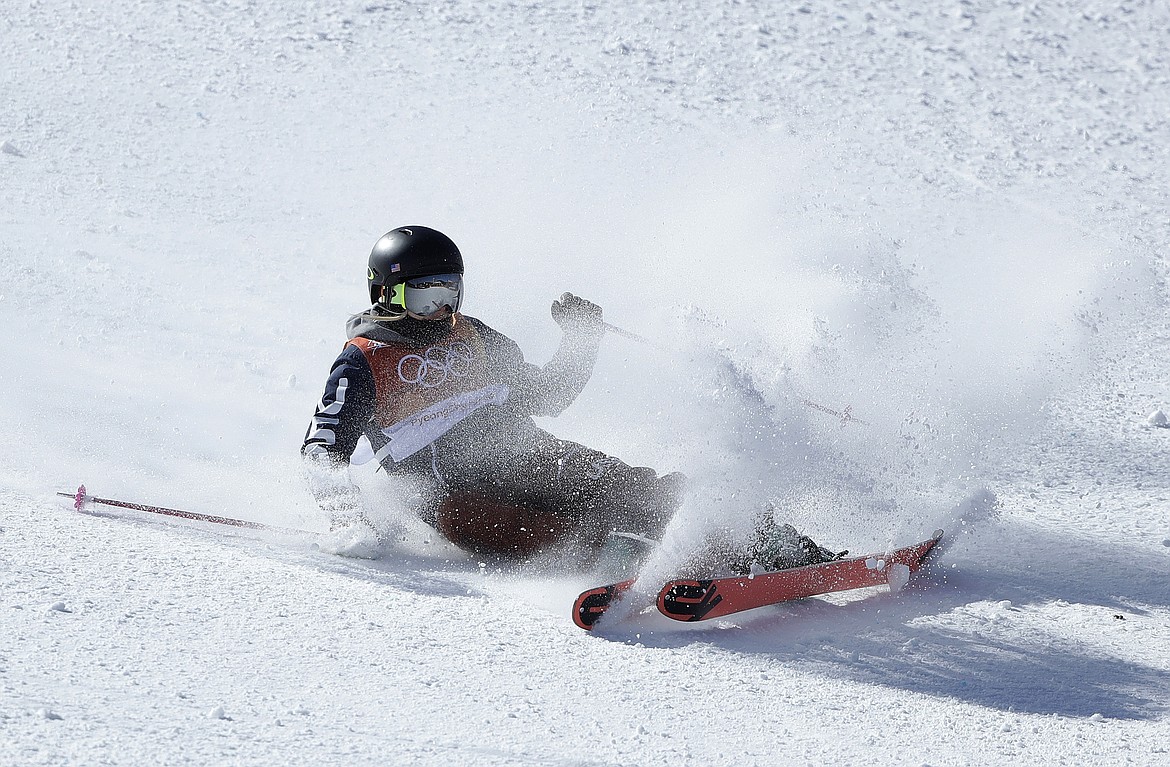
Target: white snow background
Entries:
(948, 217)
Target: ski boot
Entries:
(622, 555)
(780, 547)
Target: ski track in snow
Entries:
(948, 218)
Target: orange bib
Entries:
(422, 393)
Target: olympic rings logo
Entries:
(436, 365)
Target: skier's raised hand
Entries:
(575, 313)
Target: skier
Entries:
(447, 402)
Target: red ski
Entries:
(697, 600)
(592, 604)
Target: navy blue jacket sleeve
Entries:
(344, 409)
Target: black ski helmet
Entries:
(410, 251)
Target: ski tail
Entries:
(591, 604)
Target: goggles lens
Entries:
(430, 298)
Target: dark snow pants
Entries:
(589, 492)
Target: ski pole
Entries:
(846, 415)
(81, 498)
(626, 334)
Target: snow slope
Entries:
(948, 217)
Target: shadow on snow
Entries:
(892, 640)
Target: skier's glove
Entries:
(335, 494)
(575, 313)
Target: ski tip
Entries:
(938, 534)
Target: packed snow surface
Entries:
(901, 265)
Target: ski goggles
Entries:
(429, 298)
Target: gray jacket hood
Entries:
(377, 324)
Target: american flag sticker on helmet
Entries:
(395, 267)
